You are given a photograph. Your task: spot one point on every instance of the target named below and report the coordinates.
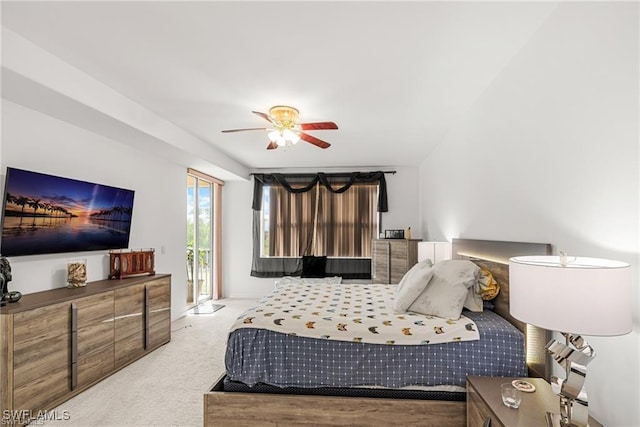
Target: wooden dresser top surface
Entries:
(58, 295)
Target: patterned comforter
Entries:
(354, 313)
(256, 356)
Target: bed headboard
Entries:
(494, 256)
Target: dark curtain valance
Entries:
(300, 183)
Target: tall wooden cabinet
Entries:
(392, 258)
(56, 343)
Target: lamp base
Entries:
(555, 420)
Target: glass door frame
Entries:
(212, 270)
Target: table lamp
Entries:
(574, 296)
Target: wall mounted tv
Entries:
(45, 214)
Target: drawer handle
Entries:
(487, 422)
(147, 317)
(74, 346)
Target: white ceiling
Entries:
(395, 77)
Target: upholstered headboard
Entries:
(494, 256)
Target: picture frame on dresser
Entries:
(394, 234)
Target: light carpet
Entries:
(164, 388)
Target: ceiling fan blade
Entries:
(315, 141)
(318, 126)
(272, 146)
(263, 115)
(241, 130)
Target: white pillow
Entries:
(447, 290)
(473, 301)
(411, 285)
(425, 263)
(467, 269)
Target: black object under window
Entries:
(314, 266)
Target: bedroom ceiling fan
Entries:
(286, 130)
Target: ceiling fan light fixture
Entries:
(274, 135)
(285, 115)
(284, 137)
(290, 136)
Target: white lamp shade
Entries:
(588, 296)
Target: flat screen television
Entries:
(45, 214)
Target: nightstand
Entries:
(484, 402)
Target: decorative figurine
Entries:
(5, 278)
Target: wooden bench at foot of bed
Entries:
(250, 409)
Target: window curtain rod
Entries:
(339, 174)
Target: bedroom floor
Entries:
(164, 388)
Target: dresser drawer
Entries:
(42, 323)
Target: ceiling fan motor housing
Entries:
(285, 116)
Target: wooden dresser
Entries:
(56, 343)
(392, 258)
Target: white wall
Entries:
(550, 154)
(402, 188)
(33, 141)
(33, 77)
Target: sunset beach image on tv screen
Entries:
(45, 214)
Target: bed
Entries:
(302, 386)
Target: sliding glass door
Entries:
(203, 196)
